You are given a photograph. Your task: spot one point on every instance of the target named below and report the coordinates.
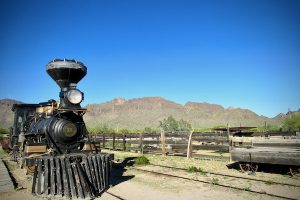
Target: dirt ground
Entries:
(130, 184)
(145, 186)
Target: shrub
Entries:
(192, 169)
(142, 160)
(247, 188)
(195, 169)
(149, 130)
(3, 132)
(269, 182)
(171, 125)
(292, 124)
(215, 181)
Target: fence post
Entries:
(190, 146)
(114, 140)
(124, 142)
(103, 141)
(229, 142)
(265, 126)
(163, 142)
(129, 139)
(141, 144)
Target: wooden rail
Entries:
(178, 143)
(170, 143)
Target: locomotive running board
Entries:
(72, 175)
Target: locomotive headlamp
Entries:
(74, 96)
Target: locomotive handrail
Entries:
(37, 155)
(66, 109)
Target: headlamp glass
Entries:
(74, 96)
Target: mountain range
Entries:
(148, 111)
(144, 112)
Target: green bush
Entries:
(125, 131)
(142, 160)
(292, 124)
(215, 181)
(192, 169)
(195, 169)
(269, 182)
(248, 188)
(2, 132)
(171, 125)
(149, 130)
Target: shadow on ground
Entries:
(117, 175)
(266, 168)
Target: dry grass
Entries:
(205, 165)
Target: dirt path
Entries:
(130, 184)
(148, 187)
(145, 186)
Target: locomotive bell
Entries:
(67, 73)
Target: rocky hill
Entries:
(148, 111)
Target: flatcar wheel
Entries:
(244, 167)
(253, 167)
(295, 172)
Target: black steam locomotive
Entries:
(51, 140)
(51, 126)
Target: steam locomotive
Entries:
(52, 142)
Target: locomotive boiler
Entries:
(52, 142)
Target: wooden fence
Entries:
(179, 144)
(163, 143)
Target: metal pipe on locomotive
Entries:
(52, 141)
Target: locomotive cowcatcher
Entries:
(50, 139)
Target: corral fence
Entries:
(190, 144)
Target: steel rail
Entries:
(217, 184)
(232, 176)
(208, 157)
(118, 197)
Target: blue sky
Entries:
(233, 53)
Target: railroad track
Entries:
(114, 195)
(231, 176)
(209, 157)
(213, 183)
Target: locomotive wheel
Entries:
(294, 172)
(30, 169)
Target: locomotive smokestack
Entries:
(67, 73)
